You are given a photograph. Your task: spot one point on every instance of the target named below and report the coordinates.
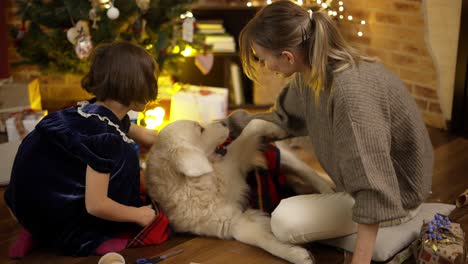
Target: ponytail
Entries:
(327, 51)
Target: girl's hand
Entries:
(146, 215)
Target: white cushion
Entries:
(391, 240)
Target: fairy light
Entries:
(300, 2)
(154, 117)
(186, 14)
(249, 4)
(268, 2)
(187, 51)
(339, 12)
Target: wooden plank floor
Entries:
(450, 179)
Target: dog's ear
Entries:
(191, 162)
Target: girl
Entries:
(75, 180)
(366, 129)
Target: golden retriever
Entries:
(206, 194)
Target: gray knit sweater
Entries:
(368, 135)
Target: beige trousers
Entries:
(305, 218)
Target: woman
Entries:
(367, 131)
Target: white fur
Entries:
(206, 194)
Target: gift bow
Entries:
(439, 231)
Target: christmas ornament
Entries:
(80, 29)
(94, 17)
(187, 29)
(83, 46)
(143, 5)
(204, 62)
(21, 33)
(113, 13)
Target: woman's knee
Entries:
(307, 218)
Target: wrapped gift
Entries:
(199, 103)
(18, 96)
(441, 242)
(21, 123)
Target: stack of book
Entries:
(215, 36)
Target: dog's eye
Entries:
(202, 129)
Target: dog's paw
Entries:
(265, 128)
(325, 188)
(299, 255)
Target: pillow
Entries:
(391, 240)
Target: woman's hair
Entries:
(123, 72)
(285, 25)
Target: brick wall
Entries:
(395, 33)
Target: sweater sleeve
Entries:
(363, 143)
(287, 113)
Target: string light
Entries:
(249, 4)
(332, 10)
(300, 2)
(268, 2)
(154, 117)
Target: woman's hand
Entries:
(146, 215)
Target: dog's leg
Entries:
(305, 172)
(245, 147)
(253, 228)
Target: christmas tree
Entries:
(58, 35)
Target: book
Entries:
(236, 82)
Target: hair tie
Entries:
(310, 13)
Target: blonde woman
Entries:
(367, 131)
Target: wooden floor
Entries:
(450, 179)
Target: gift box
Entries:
(18, 96)
(441, 242)
(199, 103)
(21, 123)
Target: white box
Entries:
(199, 103)
(29, 122)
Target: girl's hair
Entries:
(123, 72)
(284, 25)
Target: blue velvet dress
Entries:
(47, 187)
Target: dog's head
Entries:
(189, 144)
